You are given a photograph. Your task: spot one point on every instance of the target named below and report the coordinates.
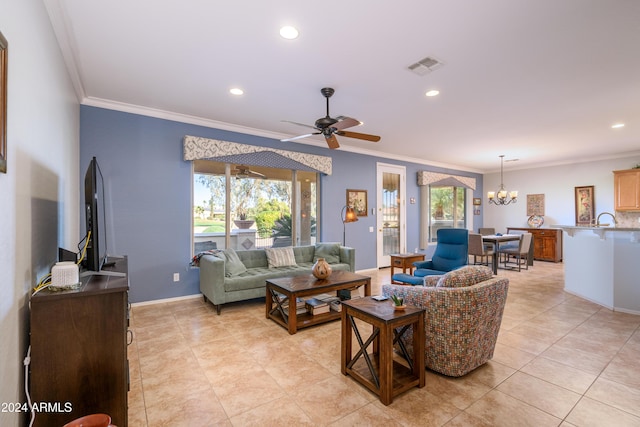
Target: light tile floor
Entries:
(559, 361)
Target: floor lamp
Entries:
(348, 214)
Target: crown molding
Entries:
(200, 121)
(62, 31)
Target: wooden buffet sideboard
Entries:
(79, 349)
(547, 243)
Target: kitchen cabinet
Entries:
(626, 185)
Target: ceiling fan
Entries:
(330, 127)
(242, 171)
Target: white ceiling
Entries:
(541, 81)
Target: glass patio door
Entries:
(391, 212)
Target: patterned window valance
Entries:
(434, 178)
(197, 148)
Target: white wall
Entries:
(557, 183)
(39, 194)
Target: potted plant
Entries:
(242, 222)
(439, 212)
(398, 302)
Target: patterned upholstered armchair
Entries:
(463, 316)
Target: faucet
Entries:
(615, 222)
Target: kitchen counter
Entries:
(570, 229)
(601, 265)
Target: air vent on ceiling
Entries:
(425, 66)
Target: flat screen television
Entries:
(94, 210)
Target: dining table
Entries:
(496, 239)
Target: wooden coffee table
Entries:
(378, 371)
(304, 286)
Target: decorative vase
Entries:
(321, 269)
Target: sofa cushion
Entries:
(304, 254)
(468, 275)
(329, 251)
(280, 257)
(232, 264)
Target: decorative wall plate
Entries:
(535, 221)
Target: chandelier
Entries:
(502, 198)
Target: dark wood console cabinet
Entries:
(79, 349)
(547, 243)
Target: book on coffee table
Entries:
(300, 306)
(317, 306)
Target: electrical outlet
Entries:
(176, 277)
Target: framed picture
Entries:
(585, 209)
(477, 201)
(3, 103)
(535, 204)
(358, 199)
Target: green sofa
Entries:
(222, 282)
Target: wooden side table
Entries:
(378, 371)
(404, 261)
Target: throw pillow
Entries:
(232, 264)
(465, 276)
(280, 257)
(329, 251)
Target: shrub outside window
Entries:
(267, 207)
(447, 209)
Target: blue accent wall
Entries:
(148, 192)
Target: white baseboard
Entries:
(187, 297)
(164, 300)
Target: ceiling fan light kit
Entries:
(329, 126)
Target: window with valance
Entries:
(444, 203)
(247, 196)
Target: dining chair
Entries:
(478, 248)
(487, 231)
(519, 254)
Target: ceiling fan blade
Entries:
(345, 122)
(299, 137)
(332, 141)
(299, 124)
(357, 135)
(242, 171)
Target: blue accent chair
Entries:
(452, 252)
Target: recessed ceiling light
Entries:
(289, 32)
(433, 92)
(236, 91)
(617, 126)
